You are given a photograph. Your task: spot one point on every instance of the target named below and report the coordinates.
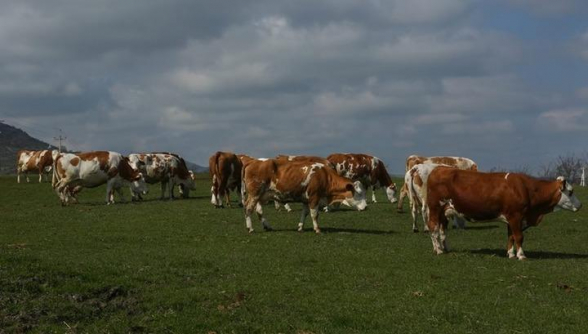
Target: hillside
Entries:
(11, 141)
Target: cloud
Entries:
(564, 120)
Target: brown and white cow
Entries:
(310, 183)
(411, 161)
(365, 168)
(516, 199)
(225, 173)
(33, 161)
(92, 169)
(169, 169)
(416, 181)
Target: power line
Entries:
(60, 138)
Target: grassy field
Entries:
(185, 267)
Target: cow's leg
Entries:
(287, 207)
(403, 193)
(314, 213)
(59, 187)
(517, 234)
(259, 210)
(277, 205)
(250, 205)
(17, 175)
(414, 212)
(27, 176)
(374, 194)
(433, 223)
(303, 215)
(240, 194)
(442, 236)
(41, 176)
(109, 196)
(510, 247)
(228, 198)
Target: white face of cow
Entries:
(568, 200)
(358, 199)
(139, 185)
(391, 193)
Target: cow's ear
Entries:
(350, 187)
(562, 181)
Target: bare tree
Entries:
(568, 166)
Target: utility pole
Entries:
(60, 138)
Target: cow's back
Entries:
(479, 196)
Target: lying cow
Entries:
(312, 184)
(413, 160)
(365, 168)
(416, 181)
(225, 173)
(33, 161)
(516, 199)
(92, 169)
(169, 169)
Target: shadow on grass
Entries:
(529, 254)
(326, 230)
(478, 227)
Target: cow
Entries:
(33, 161)
(416, 181)
(411, 161)
(71, 172)
(225, 173)
(516, 199)
(169, 169)
(365, 168)
(310, 183)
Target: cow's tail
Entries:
(55, 178)
(411, 189)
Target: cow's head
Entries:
(355, 195)
(138, 184)
(567, 201)
(391, 193)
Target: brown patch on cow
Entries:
(75, 161)
(101, 156)
(126, 171)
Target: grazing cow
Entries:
(167, 168)
(416, 181)
(312, 184)
(411, 161)
(92, 169)
(367, 169)
(225, 172)
(33, 161)
(516, 199)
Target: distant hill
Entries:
(13, 140)
(196, 168)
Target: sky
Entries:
(503, 82)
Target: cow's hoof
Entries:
(300, 229)
(415, 230)
(250, 231)
(522, 258)
(399, 211)
(268, 228)
(511, 256)
(317, 231)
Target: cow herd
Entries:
(439, 188)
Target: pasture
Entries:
(185, 267)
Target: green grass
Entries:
(186, 267)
